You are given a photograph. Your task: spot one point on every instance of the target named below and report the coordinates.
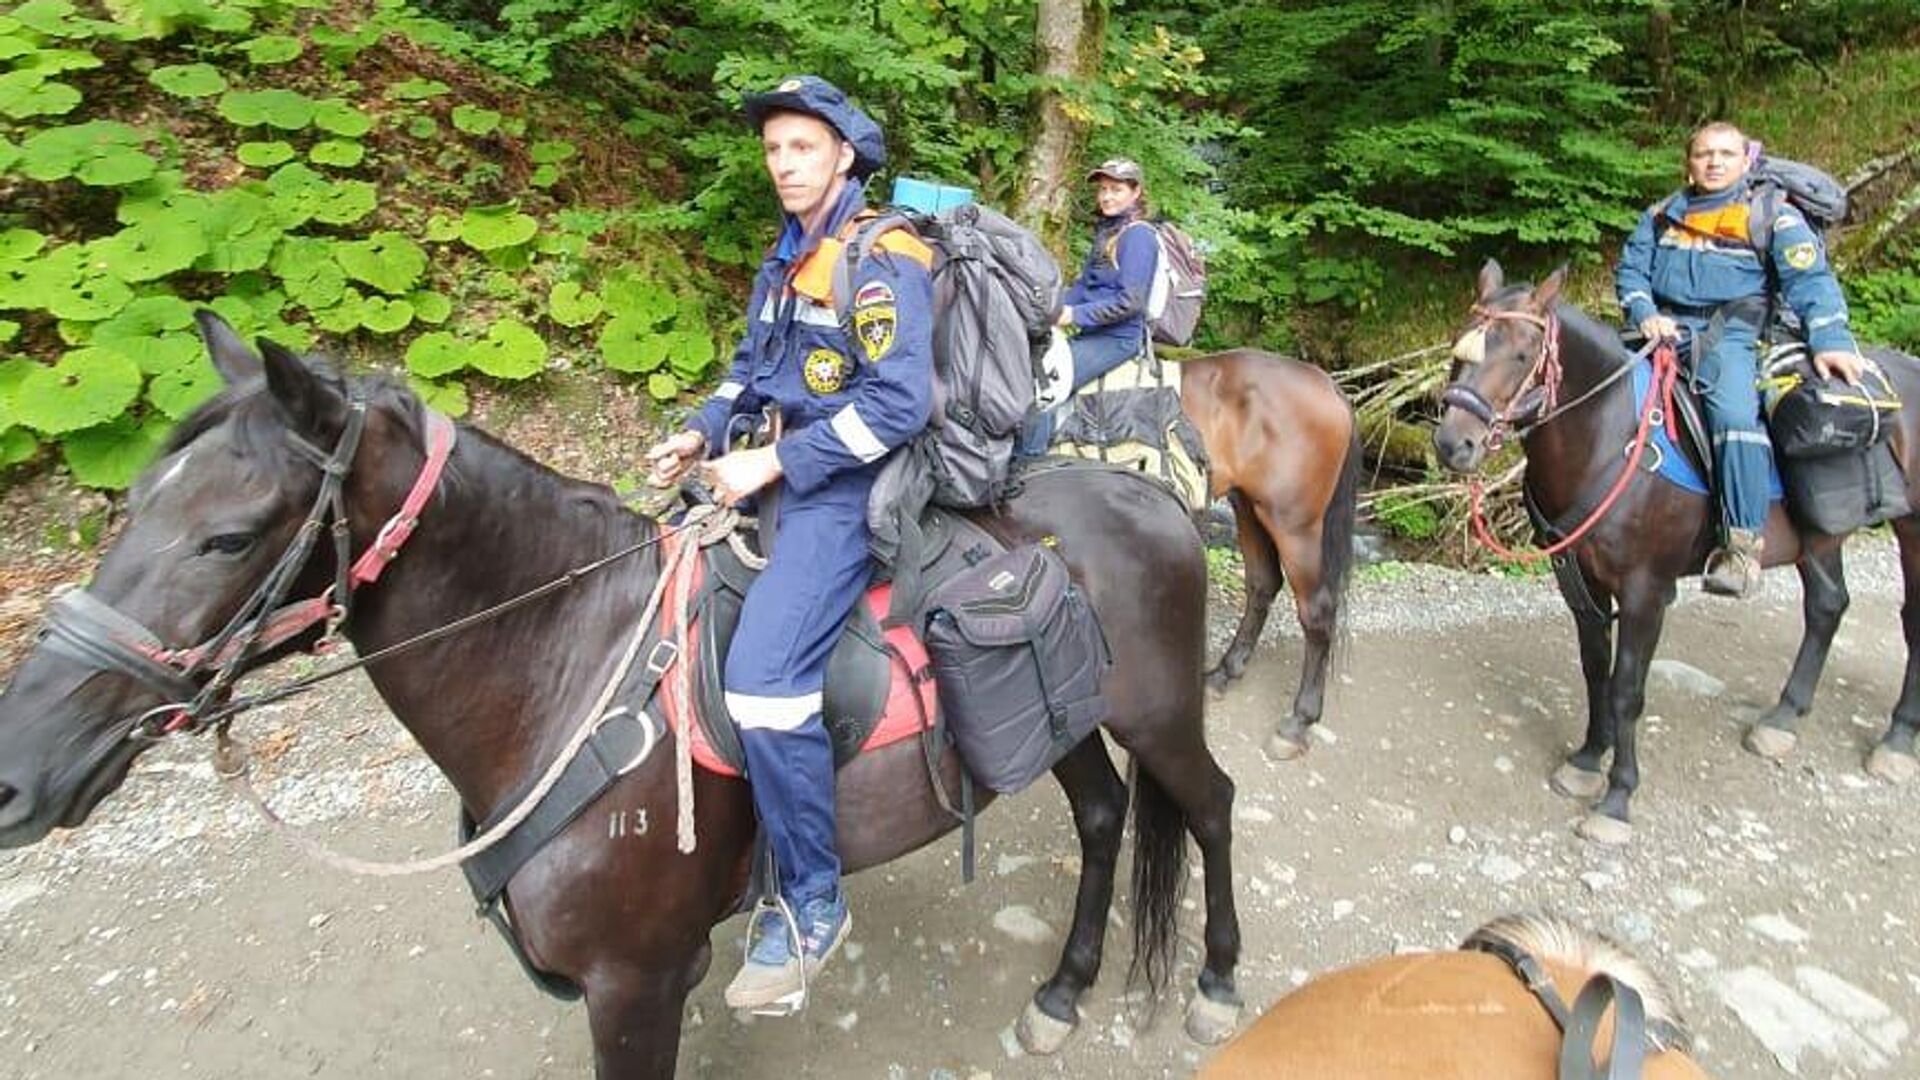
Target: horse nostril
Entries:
(7, 793)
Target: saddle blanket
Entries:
(909, 709)
(1674, 465)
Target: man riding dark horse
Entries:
(847, 395)
(1696, 263)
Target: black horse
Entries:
(627, 920)
(1655, 534)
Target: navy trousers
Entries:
(1728, 376)
(777, 666)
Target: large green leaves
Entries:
(492, 228)
(511, 350)
(288, 110)
(387, 260)
(25, 94)
(102, 153)
(151, 249)
(189, 80)
(111, 455)
(87, 387)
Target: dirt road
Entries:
(173, 937)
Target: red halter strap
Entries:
(291, 620)
(394, 534)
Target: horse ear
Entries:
(231, 358)
(1547, 293)
(1491, 279)
(312, 402)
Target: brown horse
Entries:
(622, 914)
(1463, 1015)
(1283, 446)
(1655, 534)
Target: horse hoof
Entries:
(1210, 1022)
(1892, 766)
(1602, 829)
(1282, 747)
(1041, 1034)
(1770, 742)
(1575, 782)
(1217, 683)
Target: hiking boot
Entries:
(774, 982)
(1734, 570)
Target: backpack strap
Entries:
(1763, 206)
(1113, 244)
(890, 231)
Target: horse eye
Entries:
(226, 544)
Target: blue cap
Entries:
(819, 98)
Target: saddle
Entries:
(879, 687)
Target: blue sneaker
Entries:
(773, 982)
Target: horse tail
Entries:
(1159, 879)
(1337, 524)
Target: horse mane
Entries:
(250, 409)
(1583, 330)
(1551, 937)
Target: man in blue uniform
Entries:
(1697, 254)
(848, 392)
(1106, 306)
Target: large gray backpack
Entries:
(996, 291)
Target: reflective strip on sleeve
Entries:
(763, 713)
(859, 438)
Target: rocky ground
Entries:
(173, 937)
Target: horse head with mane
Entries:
(277, 512)
(1532, 367)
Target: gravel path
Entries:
(173, 937)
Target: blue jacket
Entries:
(1109, 298)
(848, 394)
(1697, 251)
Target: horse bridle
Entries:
(1538, 389)
(194, 680)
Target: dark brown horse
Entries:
(626, 919)
(1654, 535)
(1284, 448)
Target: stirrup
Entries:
(793, 1003)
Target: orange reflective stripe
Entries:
(902, 242)
(1730, 222)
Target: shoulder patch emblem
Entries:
(873, 292)
(874, 327)
(1802, 256)
(825, 371)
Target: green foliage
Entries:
(388, 261)
(101, 287)
(491, 228)
(1405, 517)
(86, 387)
(189, 80)
(475, 120)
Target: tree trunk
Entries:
(1068, 35)
(1660, 58)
